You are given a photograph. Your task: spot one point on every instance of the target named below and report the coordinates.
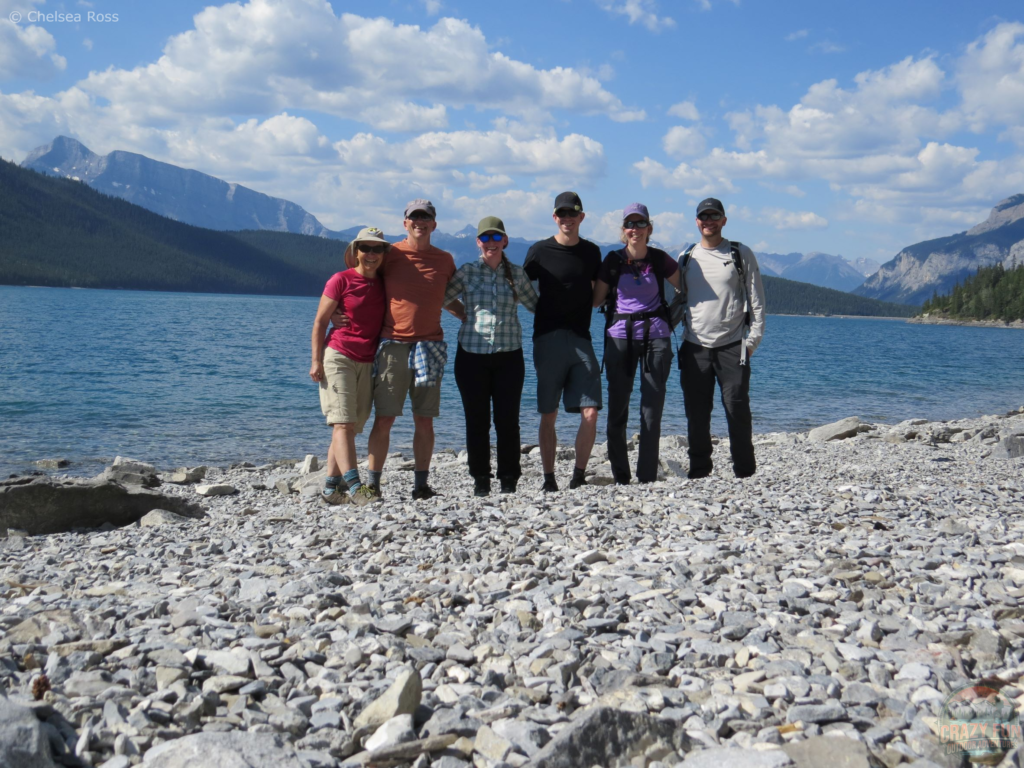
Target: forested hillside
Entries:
(58, 232)
(992, 293)
(788, 297)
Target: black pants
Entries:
(620, 369)
(483, 379)
(699, 368)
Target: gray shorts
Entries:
(567, 370)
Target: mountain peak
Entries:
(59, 152)
(1005, 212)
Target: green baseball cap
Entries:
(491, 224)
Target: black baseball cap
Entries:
(569, 200)
(710, 204)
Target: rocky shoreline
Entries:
(819, 613)
(940, 320)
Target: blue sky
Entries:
(849, 128)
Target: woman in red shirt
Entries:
(343, 360)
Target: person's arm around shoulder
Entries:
(318, 341)
(670, 269)
(457, 308)
(524, 288)
(602, 280)
(755, 293)
(456, 286)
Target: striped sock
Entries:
(352, 480)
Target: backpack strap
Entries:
(737, 258)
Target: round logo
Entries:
(977, 720)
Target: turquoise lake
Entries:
(184, 379)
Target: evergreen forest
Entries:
(991, 293)
(62, 233)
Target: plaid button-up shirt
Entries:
(492, 324)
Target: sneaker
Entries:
(423, 493)
(482, 486)
(550, 486)
(509, 486)
(334, 496)
(364, 495)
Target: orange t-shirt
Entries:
(414, 284)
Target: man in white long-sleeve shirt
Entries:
(724, 325)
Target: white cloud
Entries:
(639, 12)
(432, 7)
(783, 219)
(990, 78)
(691, 179)
(26, 50)
(270, 55)
(827, 46)
(87, 44)
(685, 110)
(682, 141)
(799, 34)
(525, 214)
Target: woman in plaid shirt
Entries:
(489, 362)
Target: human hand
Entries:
(339, 319)
(316, 371)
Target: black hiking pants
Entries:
(699, 369)
(484, 380)
(620, 364)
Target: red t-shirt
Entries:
(362, 299)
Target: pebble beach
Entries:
(819, 613)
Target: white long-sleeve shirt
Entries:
(716, 302)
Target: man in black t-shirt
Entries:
(565, 268)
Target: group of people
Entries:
(377, 340)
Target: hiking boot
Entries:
(423, 493)
(550, 486)
(576, 482)
(482, 486)
(334, 496)
(364, 495)
(697, 474)
(509, 485)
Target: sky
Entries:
(846, 128)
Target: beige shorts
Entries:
(395, 380)
(346, 393)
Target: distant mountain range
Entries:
(936, 266)
(196, 198)
(57, 232)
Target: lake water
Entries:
(183, 379)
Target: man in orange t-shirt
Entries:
(415, 277)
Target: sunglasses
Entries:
(420, 216)
(567, 213)
(638, 224)
(485, 238)
(711, 216)
(366, 248)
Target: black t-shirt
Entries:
(564, 274)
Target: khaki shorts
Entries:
(346, 393)
(395, 380)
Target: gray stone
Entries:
(830, 751)
(157, 517)
(525, 737)
(397, 730)
(216, 489)
(186, 476)
(235, 749)
(1011, 447)
(838, 430)
(23, 742)
(130, 472)
(53, 463)
(612, 738)
(728, 757)
(46, 506)
(401, 698)
(91, 683)
(828, 712)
